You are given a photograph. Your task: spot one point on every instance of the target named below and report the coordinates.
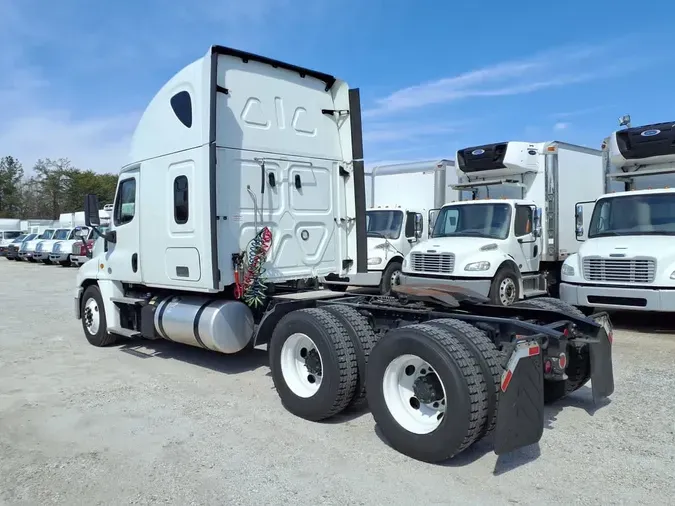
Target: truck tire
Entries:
(578, 368)
(65, 263)
(505, 287)
(313, 364)
(94, 322)
(390, 277)
(412, 372)
(488, 359)
(363, 338)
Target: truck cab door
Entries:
(528, 252)
(122, 262)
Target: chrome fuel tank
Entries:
(215, 324)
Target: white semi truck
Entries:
(246, 178)
(399, 216)
(627, 258)
(509, 240)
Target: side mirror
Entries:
(91, 211)
(537, 222)
(418, 226)
(579, 220)
(83, 232)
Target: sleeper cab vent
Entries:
(647, 141)
(481, 158)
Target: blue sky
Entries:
(434, 76)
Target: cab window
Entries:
(125, 204)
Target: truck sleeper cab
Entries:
(246, 180)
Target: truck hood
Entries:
(457, 245)
(48, 244)
(658, 246)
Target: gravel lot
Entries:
(160, 423)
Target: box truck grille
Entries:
(441, 263)
(641, 270)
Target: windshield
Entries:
(47, 234)
(30, 237)
(634, 215)
(11, 235)
(474, 220)
(385, 223)
(61, 234)
(20, 238)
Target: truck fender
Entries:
(514, 267)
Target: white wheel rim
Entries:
(507, 292)
(393, 281)
(411, 413)
(299, 365)
(92, 317)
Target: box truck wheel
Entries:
(313, 364)
(390, 277)
(505, 287)
(578, 368)
(487, 358)
(93, 318)
(425, 393)
(363, 338)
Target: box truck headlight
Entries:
(477, 266)
(567, 270)
(374, 260)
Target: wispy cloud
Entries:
(580, 112)
(554, 68)
(561, 125)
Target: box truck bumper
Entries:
(613, 297)
(481, 286)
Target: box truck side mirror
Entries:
(537, 222)
(419, 226)
(91, 211)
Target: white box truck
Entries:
(627, 258)
(401, 199)
(509, 241)
(246, 177)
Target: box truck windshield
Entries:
(385, 223)
(474, 220)
(634, 215)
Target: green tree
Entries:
(11, 175)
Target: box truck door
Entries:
(278, 165)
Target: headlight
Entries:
(374, 261)
(477, 266)
(568, 270)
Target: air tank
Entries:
(220, 325)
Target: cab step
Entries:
(528, 294)
(132, 301)
(124, 332)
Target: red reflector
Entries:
(566, 332)
(548, 366)
(534, 350)
(563, 361)
(610, 336)
(506, 379)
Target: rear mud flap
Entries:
(520, 415)
(602, 371)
